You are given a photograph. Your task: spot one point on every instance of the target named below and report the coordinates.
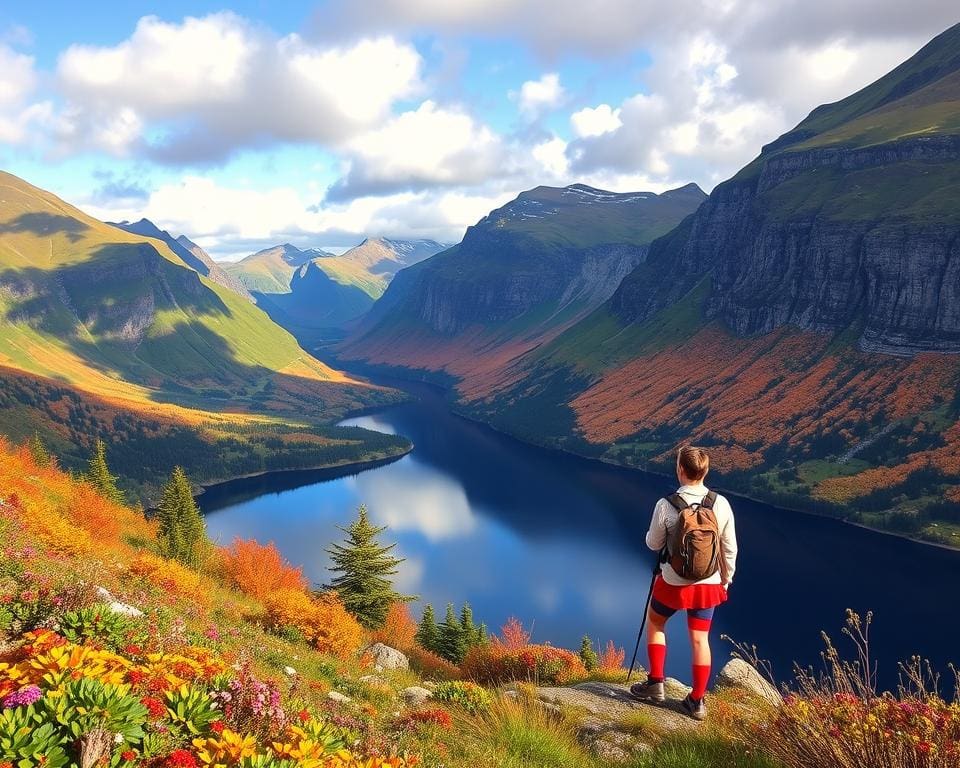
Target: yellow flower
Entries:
(228, 748)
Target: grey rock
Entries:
(116, 606)
(384, 657)
(737, 673)
(611, 702)
(338, 697)
(415, 695)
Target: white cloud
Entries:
(429, 146)
(552, 156)
(538, 96)
(18, 82)
(231, 222)
(595, 121)
(196, 91)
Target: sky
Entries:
(255, 123)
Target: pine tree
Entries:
(468, 629)
(451, 643)
(98, 473)
(41, 456)
(427, 633)
(587, 655)
(182, 532)
(483, 634)
(365, 567)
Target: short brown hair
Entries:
(693, 461)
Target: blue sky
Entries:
(247, 124)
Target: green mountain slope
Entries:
(112, 312)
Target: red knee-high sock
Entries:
(701, 676)
(658, 658)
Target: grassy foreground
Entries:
(237, 663)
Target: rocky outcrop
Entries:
(737, 673)
(775, 259)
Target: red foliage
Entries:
(495, 664)
(513, 636)
(259, 569)
(431, 666)
(611, 658)
(438, 717)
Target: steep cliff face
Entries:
(521, 275)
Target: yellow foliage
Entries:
(175, 579)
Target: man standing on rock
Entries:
(694, 532)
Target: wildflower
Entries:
(303, 715)
(22, 698)
(129, 755)
(217, 726)
(180, 758)
(155, 707)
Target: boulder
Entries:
(385, 657)
(338, 697)
(609, 703)
(737, 673)
(415, 696)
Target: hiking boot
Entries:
(696, 709)
(649, 691)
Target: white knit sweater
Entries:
(665, 519)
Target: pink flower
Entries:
(22, 698)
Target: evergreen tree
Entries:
(182, 532)
(427, 633)
(587, 655)
(451, 643)
(98, 473)
(365, 567)
(39, 451)
(483, 635)
(467, 628)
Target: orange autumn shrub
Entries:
(513, 636)
(259, 569)
(611, 658)
(175, 580)
(398, 630)
(323, 621)
(430, 666)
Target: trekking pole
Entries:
(643, 622)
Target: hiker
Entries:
(693, 530)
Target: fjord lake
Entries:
(558, 542)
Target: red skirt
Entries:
(689, 596)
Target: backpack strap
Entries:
(709, 500)
(677, 501)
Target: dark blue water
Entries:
(557, 541)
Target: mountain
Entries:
(189, 252)
(520, 276)
(373, 264)
(270, 271)
(312, 293)
(105, 315)
(803, 323)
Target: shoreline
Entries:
(361, 466)
(430, 378)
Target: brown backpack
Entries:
(693, 549)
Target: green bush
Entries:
(468, 696)
(191, 709)
(26, 741)
(98, 623)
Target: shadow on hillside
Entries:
(116, 312)
(45, 225)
